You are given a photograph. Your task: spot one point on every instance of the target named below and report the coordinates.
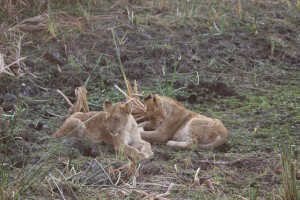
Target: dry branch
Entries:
(5, 69)
(167, 193)
(1, 112)
(196, 177)
(65, 97)
(138, 108)
(81, 100)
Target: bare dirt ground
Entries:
(238, 61)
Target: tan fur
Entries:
(114, 126)
(125, 132)
(181, 128)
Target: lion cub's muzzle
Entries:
(113, 132)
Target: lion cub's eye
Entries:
(117, 119)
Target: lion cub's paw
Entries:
(142, 156)
(171, 143)
(140, 129)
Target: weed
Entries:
(272, 48)
(120, 153)
(254, 9)
(131, 16)
(162, 5)
(253, 193)
(290, 167)
(85, 12)
(52, 28)
(119, 56)
(73, 62)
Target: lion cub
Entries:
(115, 126)
(181, 128)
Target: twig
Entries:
(119, 178)
(53, 114)
(166, 193)
(45, 89)
(138, 95)
(234, 162)
(111, 182)
(1, 112)
(135, 87)
(65, 97)
(234, 66)
(240, 197)
(120, 90)
(196, 177)
(198, 78)
(61, 193)
(129, 90)
(7, 66)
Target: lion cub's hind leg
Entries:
(72, 126)
(182, 139)
(184, 145)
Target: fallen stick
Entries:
(167, 193)
(65, 97)
(120, 90)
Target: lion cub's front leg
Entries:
(134, 153)
(145, 126)
(143, 146)
(147, 149)
(154, 136)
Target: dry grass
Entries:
(139, 109)
(81, 103)
(6, 70)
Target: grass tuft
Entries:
(290, 168)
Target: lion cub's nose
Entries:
(111, 130)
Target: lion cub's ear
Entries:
(107, 104)
(148, 97)
(156, 100)
(126, 108)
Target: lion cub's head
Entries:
(116, 116)
(155, 111)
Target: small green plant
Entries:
(120, 153)
(253, 193)
(272, 48)
(85, 12)
(119, 57)
(52, 29)
(253, 26)
(167, 87)
(73, 62)
(187, 163)
(131, 17)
